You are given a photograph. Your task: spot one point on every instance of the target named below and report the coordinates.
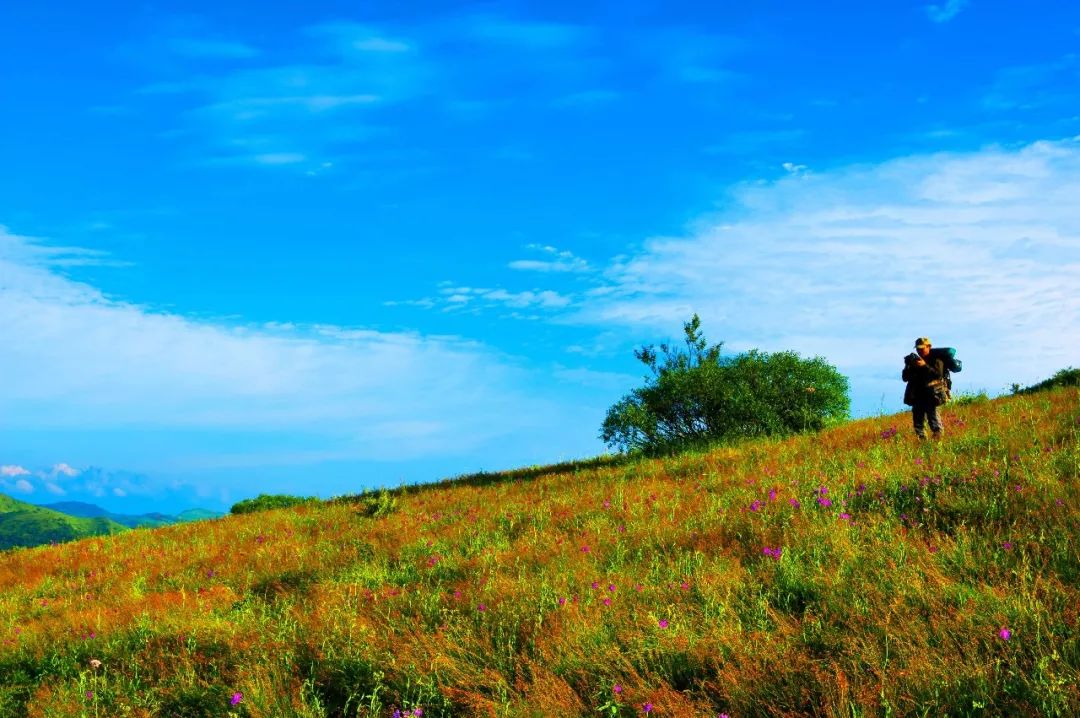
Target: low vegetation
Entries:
(851, 572)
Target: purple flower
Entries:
(617, 689)
(755, 506)
(845, 517)
(647, 708)
(562, 601)
(663, 623)
(585, 548)
(772, 494)
(596, 584)
(794, 502)
(236, 698)
(607, 601)
(418, 711)
(824, 501)
(396, 713)
(1005, 634)
(481, 607)
(1007, 545)
(611, 587)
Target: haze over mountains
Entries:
(25, 524)
(120, 492)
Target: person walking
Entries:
(919, 370)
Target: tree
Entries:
(693, 395)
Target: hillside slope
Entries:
(851, 573)
(86, 510)
(23, 524)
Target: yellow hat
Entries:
(922, 342)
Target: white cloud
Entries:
(977, 250)
(10, 470)
(54, 489)
(561, 261)
(946, 11)
(87, 360)
(454, 298)
(24, 487)
(63, 469)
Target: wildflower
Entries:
(663, 623)
(89, 694)
(607, 503)
(824, 501)
(1007, 545)
(457, 595)
(481, 607)
(95, 663)
(596, 584)
(638, 587)
(647, 708)
(617, 689)
(611, 587)
(685, 586)
(396, 713)
(236, 698)
(772, 494)
(418, 711)
(794, 503)
(585, 548)
(755, 506)
(562, 601)
(607, 601)
(918, 461)
(845, 517)
(1005, 634)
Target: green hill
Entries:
(24, 525)
(852, 572)
(82, 509)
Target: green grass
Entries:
(899, 566)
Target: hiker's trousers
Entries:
(925, 413)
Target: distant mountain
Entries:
(23, 524)
(86, 510)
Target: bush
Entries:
(695, 396)
(265, 502)
(1064, 377)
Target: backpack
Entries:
(947, 355)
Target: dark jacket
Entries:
(917, 377)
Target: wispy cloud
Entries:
(453, 298)
(83, 359)
(207, 48)
(12, 470)
(945, 11)
(557, 260)
(978, 250)
(1040, 85)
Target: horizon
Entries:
(317, 250)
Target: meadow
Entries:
(852, 572)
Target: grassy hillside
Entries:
(851, 573)
(23, 524)
(151, 520)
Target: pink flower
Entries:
(1005, 634)
(585, 548)
(663, 623)
(617, 689)
(607, 601)
(236, 698)
(481, 607)
(562, 601)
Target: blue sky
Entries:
(314, 249)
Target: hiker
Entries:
(920, 370)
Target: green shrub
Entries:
(1064, 377)
(695, 396)
(266, 502)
